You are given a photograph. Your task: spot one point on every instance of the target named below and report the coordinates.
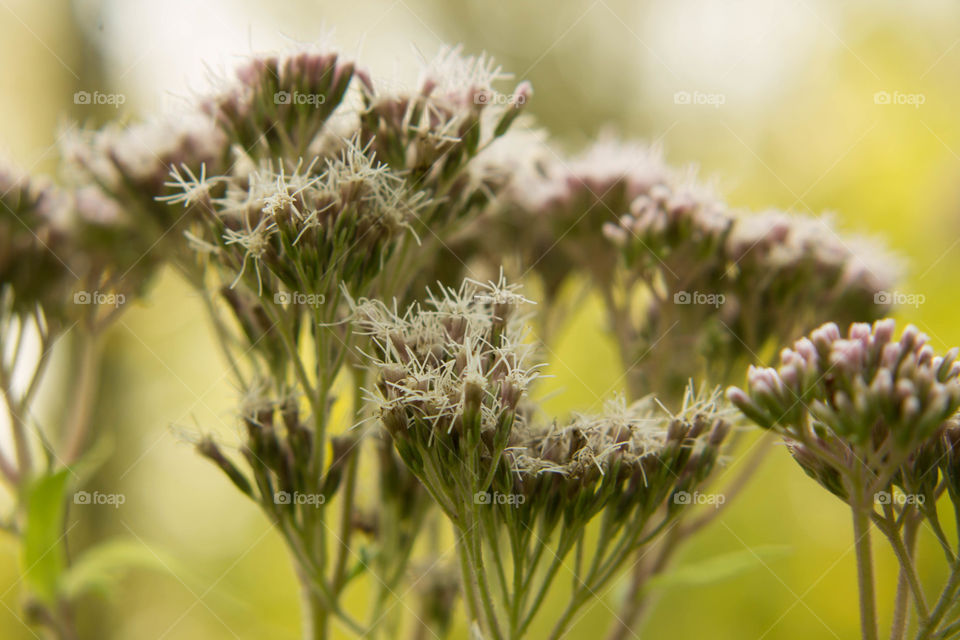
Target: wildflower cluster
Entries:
(861, 403)
(310, 205)
(279, 105)
(686, 274)
(58, 277)
(126, 168)
(344, 195)
(453, 378)
(752, 280)
(32, 237)
(872, 419)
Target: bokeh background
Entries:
(806, 106)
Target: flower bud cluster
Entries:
(865, 399)
(53, 251)
(280, 103)
(32, 237)
(626, 463)
(279, 448)
(716, 283)
(768, 276)
(131, 165)
(789, 274)
(451, 377)
(454, 112)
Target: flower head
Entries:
(866, 398)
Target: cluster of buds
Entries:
(687, 274)
(635, 468)
(279, 446)
(279, 104)
(130, 167)
(55, 251)
(555, 207)
(800, 273)
(451, 380)
(438, 135)
(451, 377)
(872, 418)
(862, 404)
(453, 113)
(629, 459)
(305, 229)
(32, 239)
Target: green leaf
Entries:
(99, 568)
(44, 545)
(717, 568)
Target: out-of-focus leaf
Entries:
(101, 567)
(43, 550)
(717, 568)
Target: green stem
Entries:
(909, 571)
(861, 532)
(898, 629)
(946, 601)
(470, 586)
(84, 396)
(316, 618)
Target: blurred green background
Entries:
(798, 121)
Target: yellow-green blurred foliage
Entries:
(799, 128)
